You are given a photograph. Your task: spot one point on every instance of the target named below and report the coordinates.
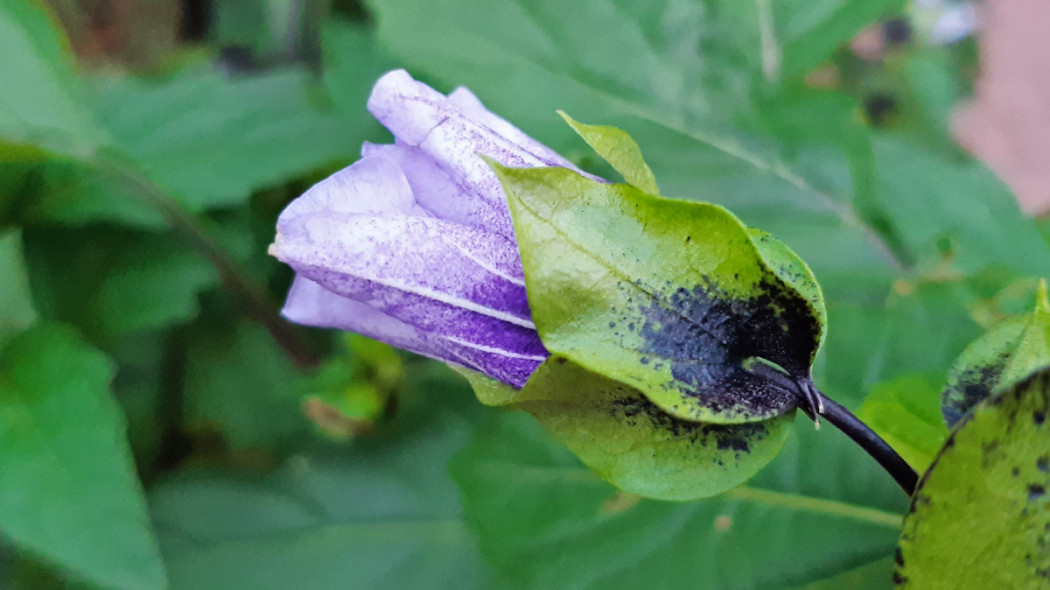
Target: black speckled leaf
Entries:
(632, 443)
(980, 517)
(1007, 353)
(677, 299)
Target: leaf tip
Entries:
(1042, 302)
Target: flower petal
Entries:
(467, 102)
(374, 185)
(311, 304)
(420, 116)
(463, 283)
(435, 190)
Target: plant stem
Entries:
(872, 443)
(251, 297)
(816, 404)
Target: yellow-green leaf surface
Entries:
(906, 413)
(980, 517)
(1004, 355)
(671, 297)
(620, 150)
(632, 443)
(68, 488)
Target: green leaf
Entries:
(636, 446)
(68, 490)
(670, 297)
(16, 302)
(620, 150)
(980, 515)
(906, 412)
(383, 514)
(127, 281)
(353, 61)
(1004, 355)
(808, 31)
(220, 137)
(547, 522)
(353, 390)
(239, 381)
(38, 99)
(979, 223)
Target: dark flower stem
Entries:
(872, 443)
(240, 287)
(816, 404)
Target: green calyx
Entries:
(673, 298)
(1001, 357)
(681, 339)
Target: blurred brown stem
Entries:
(241, 288)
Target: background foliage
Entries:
(159, 426)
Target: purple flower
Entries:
(413, 245)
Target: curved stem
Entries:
(251, 297)
(872, 443)
(816, 404)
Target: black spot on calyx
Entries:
(639, 411)
(973, 386)
(1035, 492)
(711, 341)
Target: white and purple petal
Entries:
(310, 304)
(435, 190)
(463, 283)
(373, 185)
(422, 117)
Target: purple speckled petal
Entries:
(471, 106)
(374, 185)
(421, 117)
(435, 191)
(442, 277)
(311, 304)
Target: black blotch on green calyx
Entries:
(707, 337)
(639, 411)
(974, 386)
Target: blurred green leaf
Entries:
(16, 302)
(956, 215)
(915, 327)
(220, 137)
(38, 99)
(679, 306)
(382, 515)
(870, 576)
(632, 443)
(126, 281)
(980, 515)
(353, 389)
(807, 31)
(353, 61)
(239, 381)
(1004, 355)
(547, 522)
(906, 412)
(68, 489)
